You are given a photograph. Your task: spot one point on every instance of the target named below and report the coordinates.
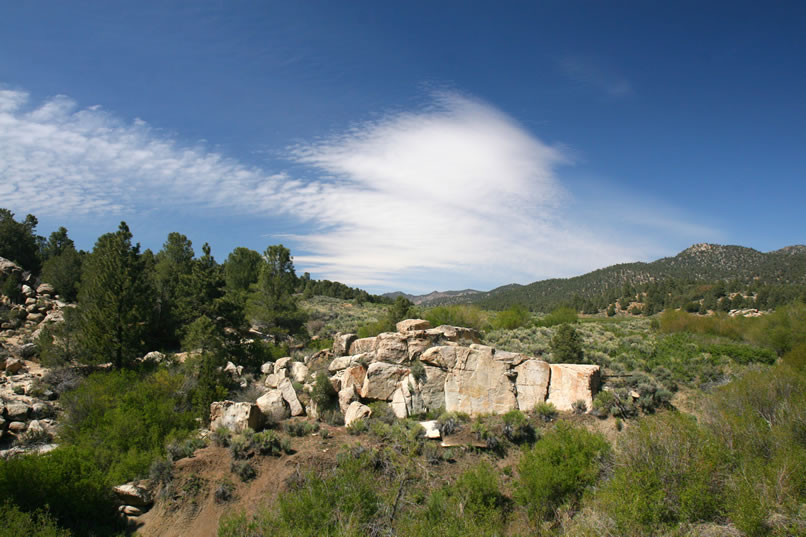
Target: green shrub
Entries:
(38, 523)
(458, 315)
(515, 317)
(301, 428)
(559, 316)
(224, 492)
(546, 411)
(558, 469)
(668, 471)
(244, 470)
(323, 394)
(222, 436)
(161, 471)
(579, 406)
(357, 427)
(270, 443)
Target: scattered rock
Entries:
(46, 289)
(17, 411)
(14, 366)
(155, 357)
(17, 427)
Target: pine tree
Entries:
(115, 301)
(19, 242)
(271, 303)
(566, 345)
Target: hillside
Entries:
(435, 297)
(696, 264)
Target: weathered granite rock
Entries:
(290, 397)
(341, 343)
(28, 291)
(17, 411)
(133, 494)
(354, 376)
(432, 388)
(272, 380)
(381, 380)
(412, 324)
(391, 347)
(235, 416)
(356, 411)
(17, 427)
(13, 366)
(363, 345)
(46, 289)
(478, 384)
(343, 362)
(431, 429)
(281, 363)
(130, 510)
(347, 396)
(456, 334)
(267, 368)
(532, 383)
(298, 371)
(273, 406)
(154, 357)
(573, 382)
(445, 356)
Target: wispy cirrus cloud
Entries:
(456, 193)
(595, 74)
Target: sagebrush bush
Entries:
(546, 411)
(244, 470)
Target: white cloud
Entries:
(457, 189)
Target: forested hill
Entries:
(748, 271)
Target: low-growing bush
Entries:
(579, 406)
(244, 470)
(546, 411)
(161, 471)
(39, 523)
(301, 428)
(224, 492)
(558, 469)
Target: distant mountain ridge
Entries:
(703, 262)
(434, 296)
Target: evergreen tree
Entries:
(271, 304)
(19, 242)
(62, 267)
(57, 244)
(171, 264)
(566, 345)
(242, 269)
(115, 301)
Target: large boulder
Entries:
(412, 324)
(353, 376)
(391, 347)
(356, 411)
(341, 343)
(273, 406)
(381, 380)
(133, 494)
(235, 416)
(532, 383)
(573, 382)
(432, 388)
(343, 362)
(479, 384)
(445, 356)
(363, 345)
(17, 411)
(290, 396)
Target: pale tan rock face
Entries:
(381, 380)
(391, 347)
(356, 411)
(412, 324)
(479, 384)
(573, 382)
(290, 397)
(432, 388)
(347, 396)
(353, 376)
(341, 343)
(235, 416)
(273, 406)
(445, 356)
(359, 346)
(532, 383)
(299, 371)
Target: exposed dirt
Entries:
(190, 508)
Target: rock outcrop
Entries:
(419, 368)
(236, 417)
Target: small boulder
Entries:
(362, 345)
(17, 427)
(267, 368)
(130, 510)
(272, 380)
(356, 411)
(28, 291)
(382, 380)
(17, 411)
(14, 366)
(347, 396)
(155, 357)
(281, 363)
(391, 347)
(46, 289)
(412, 324)
(431, 429)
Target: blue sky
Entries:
(410, 145)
